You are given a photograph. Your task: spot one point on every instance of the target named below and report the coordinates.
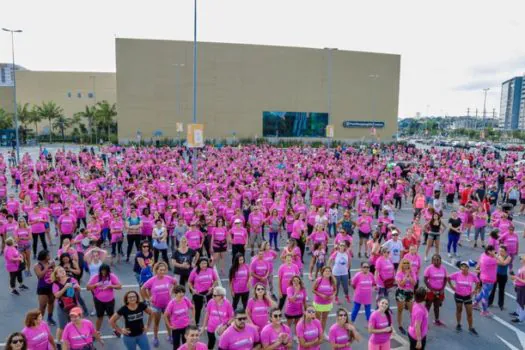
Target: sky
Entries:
(450, 50)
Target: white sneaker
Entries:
(449, 255)
(426, 258)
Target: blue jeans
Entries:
(356, 308)
(479, 232)
(131, 343)
(332, 230)
(273, 237)
(484, 295)
(453, 239)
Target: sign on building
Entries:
(195, 135)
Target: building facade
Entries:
(249, 91)
(510, 104)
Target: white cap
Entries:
(237, 221)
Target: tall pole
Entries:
(485, 104)
(329, 85)
(194, 156)
(14, 90)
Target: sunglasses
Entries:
(276, 315)
(260, 289)
(310, 311)
(342, 315)
(241, 318)
(218, 295)
(365, 267)
(145, 246)
(16, 341)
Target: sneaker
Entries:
(458, 328)
(93, 313)
(515, 320)
(449, 255)
(475, 306)
(475, 245)
(51, 322)
(337, 300)
(15, 292)
(473, 332)
(24, 287)
(502, 308)
(359, 254)
(515, 314)
(439, 323)
(156, 342)
(402, 331)
(426, 258)
(486, 314)
(348, 299)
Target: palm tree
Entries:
(104, 114)
(24, 114)
(79, 127)
(89, 113)
(35, 118)
(62, 123)
(49, 110)
(6, 119)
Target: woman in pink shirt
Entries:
(13, 265)
(406, 282)
(464, 284)
(239, 277)
(519, 283)
(219, 243)
(480, 223)
(22, 236)
(37, 332)
(285, 274)
(488, 267)
(157, 290)
(343, 333)
(258, 306)
(363, 283)
(364, 225)
(309, 331)
(79, 333)
(177, 315)
(295, 302)
(202, 280)
(418, 329)
(324, 289)
(219, 315)
(380, 326)
(276, 335)
(435, 277)
(260, 270)
(102, 286)
(384, 273)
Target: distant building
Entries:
(511, 101)
(6, 74)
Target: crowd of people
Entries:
(279, 218)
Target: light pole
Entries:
(90, 121)
(194, 153)
(485, 104)
(13, 31)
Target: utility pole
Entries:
(485, 103)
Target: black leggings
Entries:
(116, 247)
(133, 239)
(237, 248)
(164, 253)
(413, 343)
(397, 201)
(282, 300)
(300, 244)
(211, 340)
(178, 337)
(15, 276)
(42, 236)
(198, 301)
(240, 297)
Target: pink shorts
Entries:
(384, 346)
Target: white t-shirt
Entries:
(340, 267)
(395, 249)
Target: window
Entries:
(2, 74)
(79, 95)
(90, 95)
(294, 124)
(69, 94)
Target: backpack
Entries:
(68, 300)
(145, 274)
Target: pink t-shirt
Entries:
(179, 312)
(258, 311)
(294, 307)
(79, 336)
(239, 235)
(66, 224)
(339, 335)
(379, 320)
(198, 346)
(37, 227)
(195, 239)
(234, 339)
(37, 337)
(511, 241)
(11, 253)
(363, 285)
(160, 290)
(464, 284)
(218, 314)
(419, 313)
(103, 293)
(385, 269)
(309, 331)
(436, 277)
(488, 268)
(407, 285)
(203, 281)
(325, 288)
(286, 273)
(269, 335)
(259, 268)
(240, 279)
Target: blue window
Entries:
(69, 94)
(79, 95)
(294, 124)
(90, 95)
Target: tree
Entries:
(90, 114)
(24, 114)
(79, 129)
(35, 118)
(50, 111)
(104, 114)
(62, 123)
(6, 119)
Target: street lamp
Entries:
(13, 31)
(194, 153)
(485, 104)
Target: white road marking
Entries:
(511, 347)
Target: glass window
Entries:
(79, 95)
(2, 74)
(294, 124)
(90, 95)
(69, 94)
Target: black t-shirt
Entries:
(133, 319)
(456, 223)
(182, 258)
(147, 260)
(481, 193)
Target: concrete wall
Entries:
(236, 83)
(35, 87)
(6, 99)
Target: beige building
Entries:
(237, 83)
(70, 90)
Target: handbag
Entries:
(389, 283)
(90, 346)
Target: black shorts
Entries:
(434, 236)
(44, 291)
(405, 296)
(364, 235)
(220, 248)
(450, 198)
(460, 299)
(102, 308)
(289, 317)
